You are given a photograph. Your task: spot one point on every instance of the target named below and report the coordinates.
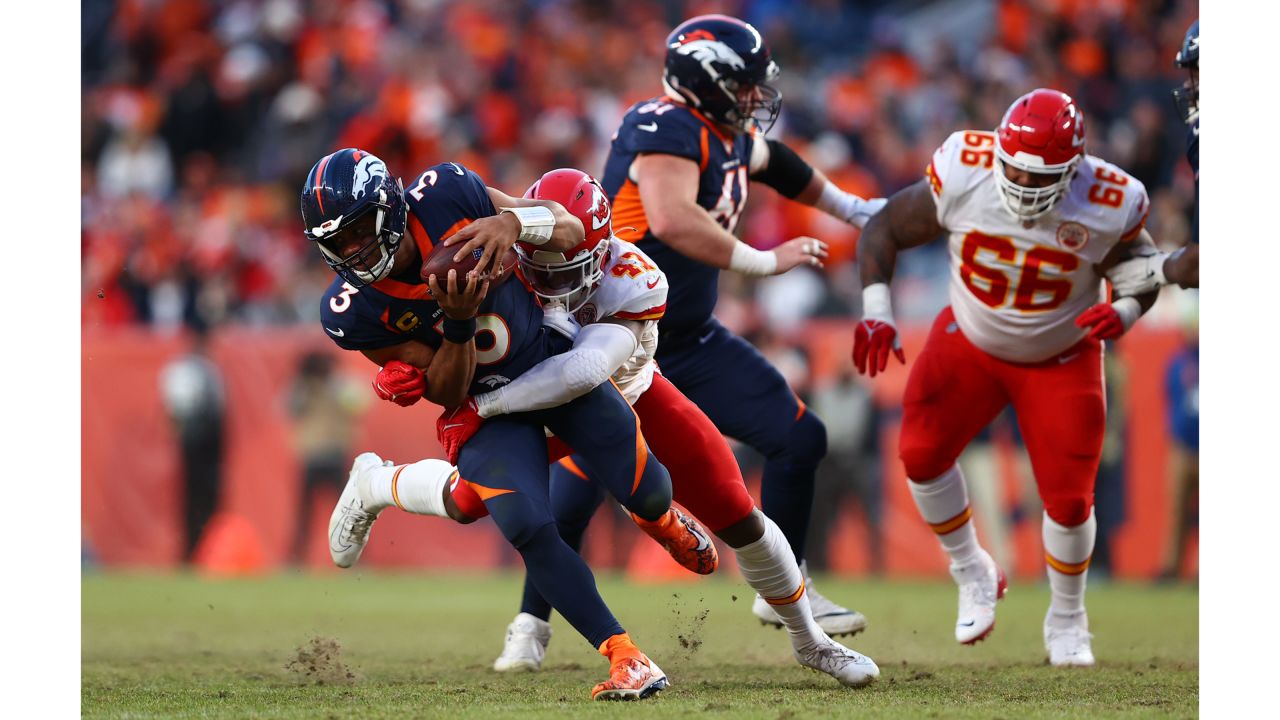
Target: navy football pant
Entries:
(505, 463)
(749, 400)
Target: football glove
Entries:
(455, 427)
(400, 383)
(1108, 321)
(876, 335)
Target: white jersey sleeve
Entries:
(957, 168)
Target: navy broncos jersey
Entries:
(510, 338)
(662, 126)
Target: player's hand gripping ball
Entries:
(440, 261)
(400, 383)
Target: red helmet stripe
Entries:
(324, 162)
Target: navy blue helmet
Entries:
(351, 191)
(722, 66)
(1187, 97)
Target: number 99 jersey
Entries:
(661, 126)
(1016, 290)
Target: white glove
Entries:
(1138, 275)
(862, 210)
(847, 206)
(556, 317)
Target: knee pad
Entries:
(807, 440)
(1068, 510)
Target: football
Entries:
(440, 261)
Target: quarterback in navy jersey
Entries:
(677, 174)
(467, 337)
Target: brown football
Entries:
(440, 261)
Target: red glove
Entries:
(455, 427)
(401, 383)
(872, 341)
(1108, 321)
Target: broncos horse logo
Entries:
(708, 51)
(368, 167)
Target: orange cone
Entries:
(230, 547)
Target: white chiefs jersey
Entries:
(632, 288)
(1015, 290)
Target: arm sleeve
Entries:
(599, 350)
(784, 171)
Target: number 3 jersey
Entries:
(510, 337)
(632, 288)
(1016, 290)
(660, 126)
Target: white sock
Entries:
(944, 504)
(769, 566)
(417, 488)
(1066, 554)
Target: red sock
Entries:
(466, 499)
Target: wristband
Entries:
(536, 223)
(876, 304)
(1129, 310)
(459, 331)
(750, 261)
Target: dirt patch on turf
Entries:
(320, 662)
(688, 626)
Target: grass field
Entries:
(399, 646)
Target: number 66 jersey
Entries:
(1017, 287)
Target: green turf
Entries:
(420, 646)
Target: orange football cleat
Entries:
(684, 538)
(632, 675)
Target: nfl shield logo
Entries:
(586, 314)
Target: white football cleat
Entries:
(849, 667)
(350, 522)
(835, 620)
(1067, 639)
(982, 583)
(525, 646)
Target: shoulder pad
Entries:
(662, 126)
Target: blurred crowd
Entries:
(200, 120)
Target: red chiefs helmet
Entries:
(569, 277)
(1042, 133)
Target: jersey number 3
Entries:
(1032, 291)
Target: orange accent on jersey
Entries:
(628, 213)
(455, 228)
(793, 597)
(652, 313)
(706, 152)
(572, 467)
(420, 237)
(800, 410)
(486, 493)
(954, 523)
(395, 479)
(1066, 568)
(932, 174)
(403, 290)
(1132, 233)
(711, 125)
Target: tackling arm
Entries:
(567, 231)
(598, 351)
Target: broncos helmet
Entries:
(1187, 97)
(340, 192)
(721, 66)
